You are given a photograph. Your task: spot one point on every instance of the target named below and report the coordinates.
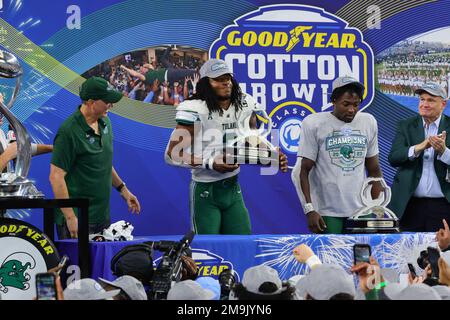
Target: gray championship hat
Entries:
(443, 291)
(254, 277)
(87, 289)
(214, 68)
(344, 81)
(189, 290)
(326, 281)
(418, 291)
(130, 285)
(432, 88)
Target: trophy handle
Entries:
(22, 140)
(15, 93)
(387, 193)
(261, 115)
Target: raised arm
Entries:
(133, 73)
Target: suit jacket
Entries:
(409, 133)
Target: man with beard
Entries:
(204, 122)
(335, 150)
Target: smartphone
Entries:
(46, 286)
(412, 270)
(433, 258)
(361, 253)
(62, 264)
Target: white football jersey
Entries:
(212, 131)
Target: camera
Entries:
(422, 260)
(430, 257)
(169, 269)
(137, 260)
(227, 281)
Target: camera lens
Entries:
(227, 281)
(422, 261)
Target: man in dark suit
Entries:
(421, 188)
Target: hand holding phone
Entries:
(46, 286)
(361, 253)
(412, 270)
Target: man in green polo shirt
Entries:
(81, 165)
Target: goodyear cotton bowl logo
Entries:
(287, 56)
(210, 264)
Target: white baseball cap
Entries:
(432, 88)
(346, 80)
(189, 290)
(326, 281)
(254, 277)
(130, 285)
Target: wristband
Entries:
(33, 149)
(120, 187)
(308, 207)
(313, 261)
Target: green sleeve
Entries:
(399, 150)
(64, 154)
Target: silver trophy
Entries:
(15, 184)
(251, 145)
(374, 217)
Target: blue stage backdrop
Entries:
(284, 54)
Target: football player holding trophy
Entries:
(218, 129)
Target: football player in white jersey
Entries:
(205, 122)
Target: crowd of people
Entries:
(325, 281)
(166, 80)
(404, 68)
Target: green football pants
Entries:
(218, 208)
(334, 225)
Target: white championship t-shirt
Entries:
(339, 150)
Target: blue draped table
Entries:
(214, 253)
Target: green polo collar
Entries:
(82, 122)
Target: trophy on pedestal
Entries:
(374, 217)
(15, 184)
(251, 145)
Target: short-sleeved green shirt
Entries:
(87, 159)
(159, 74)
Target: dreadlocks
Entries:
(205, 92)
